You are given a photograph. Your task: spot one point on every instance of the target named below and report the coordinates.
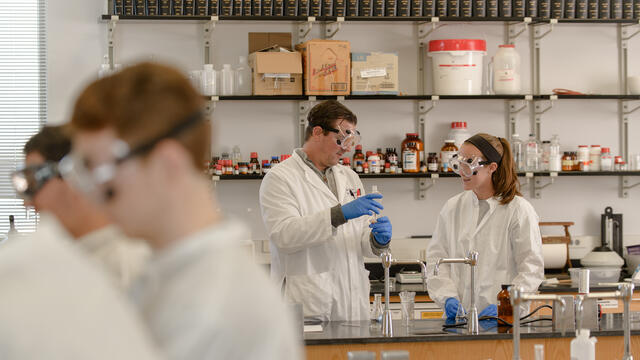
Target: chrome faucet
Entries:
(624, 292)
(387, 261)
(518, 297)
(472, 261)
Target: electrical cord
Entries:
(504, 322)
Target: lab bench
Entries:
(428, 340)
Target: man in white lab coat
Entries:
(140, 141)
(122, 257)
(56, 304)
(318, 223)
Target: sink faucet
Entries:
(518, 297)
(472, 261)
(387, 261)
(624, 292)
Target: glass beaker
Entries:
(407, 304)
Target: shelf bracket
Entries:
(625, 186)
(207, 38)
(512, 29)
(424, 186)
(211, 104)
(303, 109)
(423, 110)
(538, 35)
(304, 28)
(527, 180)
(625, 34)
(512, 114)
(332, 28)
(538, 186)
(426, 28)
(111, 34)
(539, 111)
(626, 111)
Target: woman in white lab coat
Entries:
(492, 218)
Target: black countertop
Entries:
(377, 287)
(362, 332)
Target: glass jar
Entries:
(254, 164)
(576, 163)
(594, 156)
(585, 166)
(606, 161)
(448, 150)
(358, 159)
(243, 168)
(412, 147)
(383, 159)
(432, 162)
(567, 162)
(374, 163)
(505, 309)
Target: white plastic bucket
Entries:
(457, 66)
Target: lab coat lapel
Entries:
(313, 179)
(339, 177)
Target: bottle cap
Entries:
(358, 147)
(505, 287)
(254, 154)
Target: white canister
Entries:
(506, 70)
(457, 66)
(583, 154)
(594, 157)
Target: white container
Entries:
(228, 80)
(374, 164)
(506, 70)
(594, 157)
(596, 275)
(209, 80)
(634, 85)
(457, 66)
(606, 160)
(459, 132)
(583, 153)
(583, 347)
(555, 157)
(533, 154)
(243, 77)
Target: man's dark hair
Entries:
(325, 114)
(52, 142)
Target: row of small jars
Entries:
(594, 158)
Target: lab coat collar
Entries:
(313, 178)
(492, 201)
(96, 239)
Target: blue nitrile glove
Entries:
(491, 310)
(364, 205)
(451, 307)
(381, 230)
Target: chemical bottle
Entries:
(209, 81)
(505, 309)
(458, 133)
(243, 77)
(555, 157)
(358, 159)
(517, 146)
(254, 164)
(446, 153)
(583, 347)
(506, 70)
(383, 159)
(228, 80)
(533, 153)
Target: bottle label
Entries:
(432, 167)
(410, 160)
(446, 157)
(506, 75)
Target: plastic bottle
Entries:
(595, 152)
(458, 133)
(105, 68)
(606, 161)
(209, 81)
(517, 146)
(228, 80)
(555, 157)
(533, 154)
(374, 163)
(583, 347)
(243, 77)
(506, 70)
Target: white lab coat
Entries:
(509, 249)
(123, 258)
(204, 298)
(55, 304)
(323, 266)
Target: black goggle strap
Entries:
(486, 149)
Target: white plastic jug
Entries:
(228, 80)
(243, 77)
(583, 347)
(506, 71)
(457, 66)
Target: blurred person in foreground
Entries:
(140, 141)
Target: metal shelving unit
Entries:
(514, 104)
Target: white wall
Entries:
(577, 57)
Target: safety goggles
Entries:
(347, 139)
(30, 179)
(467, 166)
(94, 180)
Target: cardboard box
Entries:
(262, 41)
(374, 73)
(276, 72)
(327, 69)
